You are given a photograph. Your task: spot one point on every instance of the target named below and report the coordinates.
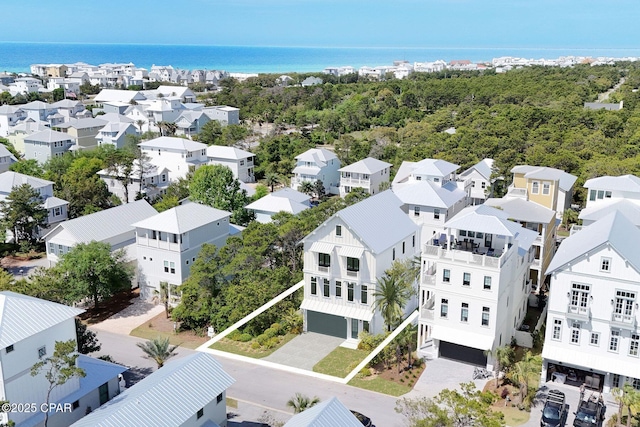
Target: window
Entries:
(436, 214)
(324, 260)
(403, 245)
(633, 345)
(605, 264)
(350, 292)
(595, 338)
(103, 390)
(535, 187)
(487, 282)
(473, 184)
(579, 298)
(314, 286)
(446, 275)
(219, 398)
(42, 352)
(153, 234)
(546, 188)
(600, 194)
(607, 194)
(418, 178)
(75, 405)
(353, 264)
(416, 211)
(466, 279)
(9, 348)
(463, 233)
(338, 230)
(363, 294)
(444, 308)
(325, 288)
(175, 238)
(464, 312)
(623, 307)
(172, 267)
(200, 413)
(436, 179)
(485, 316)
(614, 341)
(592, 195)
(241, 162)
(393, 254)
(57, 211)
(557, 330)
(484, 184)
(575, 333)
(338, 289)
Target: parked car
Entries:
(555, 410)
(366, 421)
(590, 412)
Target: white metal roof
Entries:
(306, 170)
(427, 193)
(614, 229)
(628, 208)
(328, 307)
(167, 398)
(626, 183)
(85, 123)
(292, 194)
(434, 167)
(484, 167)
(367, 166)
(224, 152)
(52, 202)
(273, 203)
(173, 143)
(103, 225)
(10, 179)
(565, 180)
(331, 413)
(22, 316)
(183, 218)
(107, 95)
(523, 210)
(316, 155)
(321, 247)
(351, 251)
(49, 136)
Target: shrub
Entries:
(235, 335)
(270, 332)
(255, 345)
(261, 339)
(277, 327)
(245, 337)
(364, 372)
(271, 342)
(368, 342)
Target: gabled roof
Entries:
(434, 167)
(628, 208)
(168, 397)
(173, 143)
(292, 194)
(8, 109)
(523, 210)
(88, 122)
(367, 166)
(107, 95)
(370, 220)
(183, 218)
(287, 200)
(52, 202)
(224, 152)
(565, 180)
(626, 183)
(22, 316)
(65, 103)
(102, 225)
(115, 118)
(484, 167)
(36, 105)
(10, 179)
(331, 413)
(320, 156)
(49, 136)
(427, 193)
(4, 152)
(614, 229)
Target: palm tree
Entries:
(301, 402)
(630, 397)
(521, 374)
(391, 296)
(318, 188)
(407, 339)
(618, 395)
(272, 180)
(502, 359)
(306, 187)
(158, 349)
(140, 123)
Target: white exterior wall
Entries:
(329, 176)
(7, 121)
(177, 161)
(372, 266)
(242, 168)
(599, 315)
(152, 254)
(479, 187)
(357, 180)
(615, 194)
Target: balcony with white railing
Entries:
(354, 182)
(485, 258)
(578, 312)
(624, 321)
(353, 274)
(427, 311)
(429, 276)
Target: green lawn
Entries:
(340, 362)
(183, 339)
(514, 417)
(244, 348)
(380, 385)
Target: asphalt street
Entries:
(265, 388)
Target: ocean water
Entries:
(17, 57)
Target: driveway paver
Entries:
(305, 350)
(130, 318)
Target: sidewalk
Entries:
(130, 318)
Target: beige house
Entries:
(549, 187)
(83, 130)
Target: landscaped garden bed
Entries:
(161, 326)
(252, 348)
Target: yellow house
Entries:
(83, 130)
(548, 187)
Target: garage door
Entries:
(463, 354)
(326, 324)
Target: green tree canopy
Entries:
(28, 167)
(23, 214)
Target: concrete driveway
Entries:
(20, 269)
(305, 350)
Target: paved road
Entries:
(264, 387)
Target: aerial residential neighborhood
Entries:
(196, 248)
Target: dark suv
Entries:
(554, 412)
(590, 412)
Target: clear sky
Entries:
(343, 23)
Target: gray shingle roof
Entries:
(22, 316)
(108, 223)
(183, 218)
(168, 397)
(378, 221)
(614, 229)
(331, 413)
